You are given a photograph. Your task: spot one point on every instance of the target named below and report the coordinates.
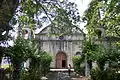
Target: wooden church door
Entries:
(61, 60)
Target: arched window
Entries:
(25, 33)
(78, 53)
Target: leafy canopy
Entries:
(21, 50)
(61, 15)
(103, 13)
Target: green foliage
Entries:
(45, 60)
(109, 54)
(101, 54)
(34, 70)
(108, 74)
(7, 9)
(103, 13)
(31, 74)
(77, 62)
(63, 21)
(39, 66)
(20, 51)
(91, 50)
(63, 14)
(118, 45)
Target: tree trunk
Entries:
(101, 65)
(90, 64)
(16, 70)
(0, 60)
(2, 50)
(7, 9)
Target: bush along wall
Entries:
(45, 60)
(77, 64)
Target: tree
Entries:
(101, 54)
(7, 10)
(105, 14)
(39, 65)
(78, 64)
(28, 12)
(19, 53)
(37, 13)
(45, 60)
(90, 50)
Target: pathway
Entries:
(58, 76)
(63, 76)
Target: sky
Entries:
(82, 5)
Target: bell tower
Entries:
(100, 31)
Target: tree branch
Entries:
(117, 33)
(16, 3)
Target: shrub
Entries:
(45, 60)
(39, 66)
(108, 74)
(19, 53)
(5, 74)
(77, 61)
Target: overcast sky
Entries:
(82, 6)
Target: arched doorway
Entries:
(61, 60)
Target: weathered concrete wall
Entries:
(69, 44)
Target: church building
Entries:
(61, 48)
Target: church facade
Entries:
(61, 48)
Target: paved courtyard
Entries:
(63, 76)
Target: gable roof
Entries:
(45, 27)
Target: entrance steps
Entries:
(60, 70)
